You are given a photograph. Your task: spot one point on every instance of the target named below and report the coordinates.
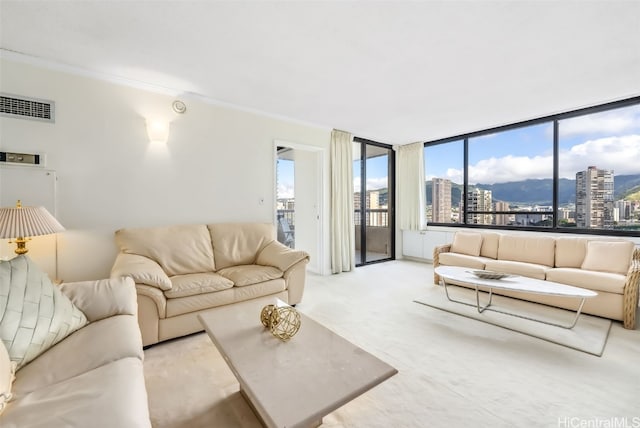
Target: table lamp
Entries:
(20, 223)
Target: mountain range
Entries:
(539, 192)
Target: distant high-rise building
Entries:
(594, 198)
(479, 200)
(502, 219)
(441, 200)
(624, 209)
(375, 207)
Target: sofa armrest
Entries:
(295, 279)
(156, 296)
(278, 255)
(436, 259)
(142, 270)
(103, 298)
(630, 292)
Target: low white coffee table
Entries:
(295, 383)
(512, 283)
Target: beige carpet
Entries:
(588, 335)
(453, 371)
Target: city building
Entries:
(594, 198)
(441, 199)
(375, 208)
(479, 200)
(623, 209)
(566, 215)
(502, 219)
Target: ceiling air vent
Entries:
(27, 108)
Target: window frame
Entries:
(554, 120)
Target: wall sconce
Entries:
(158, 131)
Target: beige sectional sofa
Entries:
(92, 378)
(609, 267)
(182, 271)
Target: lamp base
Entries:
(21, 246)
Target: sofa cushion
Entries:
(611, 256)
(467, 243)
(239, 243)
(34, 314)
(592, 280)
(250, 274)
(530, 270)
(455, 259)
(184, 305)
(570, 252)
(527, 248)
(100, 342)
(177, 249)
(112, 395)
(7, 372)
(197, 283)
(490, 245)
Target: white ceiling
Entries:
(394, 71)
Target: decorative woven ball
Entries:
(285, 322)
(265, 315)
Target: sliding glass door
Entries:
(373, 174)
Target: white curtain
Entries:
(342, 225)
(411, 187)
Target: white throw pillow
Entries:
(603, 256)
(467, 243)
(7, 374)
(34, 314)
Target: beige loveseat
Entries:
(609, 267)
(94, 376)
(182, 271)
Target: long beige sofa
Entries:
(609, 267)
(94, 376)
(182, 271)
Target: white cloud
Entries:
(285, 190)
(510, 168)
(613, 123)
(372, 183)
(622, 154)
(377, 183)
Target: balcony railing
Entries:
(375, 217)
(378, 232)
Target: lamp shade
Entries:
(23, 222)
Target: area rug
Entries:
(589, 334)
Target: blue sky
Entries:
(609, 140)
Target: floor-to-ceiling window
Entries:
(577, 171)
(373, 174)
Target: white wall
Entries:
(216, 166)
(307, 209)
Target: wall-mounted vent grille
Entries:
(27, 108)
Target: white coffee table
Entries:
(295, 383)
(512, 283)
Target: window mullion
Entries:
(465, 186)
